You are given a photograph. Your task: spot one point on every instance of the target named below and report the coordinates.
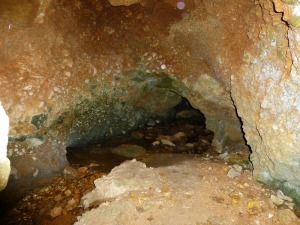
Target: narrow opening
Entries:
(183, 131)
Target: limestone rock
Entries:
(234, 171)
(167, 142)
(129, 176)
(56, 211)
(287, 216)
(277, 201)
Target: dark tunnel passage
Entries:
(182, 131)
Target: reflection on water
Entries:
(188, 136)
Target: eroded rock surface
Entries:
(129, 176)
(266, 97)
(79, 71)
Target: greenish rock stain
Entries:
(110, 109)
(38, 120)
(150, 81)
(288, 189)
(294, 21)
(21, 138)
(290, 2)
(280, 54)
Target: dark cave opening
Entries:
(183, 131)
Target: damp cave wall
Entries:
(73, 70)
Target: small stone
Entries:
(167, 142)
(178, 135)
(189, 145)
(58, 198)
(68, 192)
(155, 143)
(27, 88)
(277, 201)
(71, 204)
(70, 172)
(223, 155)
(205, 142)
(36, 172)
(287, 216)
(55, 212)
(233, 172)
(237, 167)
(82, 169)
(283, 197)
(93, 165)
(290, 205)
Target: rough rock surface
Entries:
(267, 96)
(79, 71)
(4, 162)
(129, 176)
(207, 196)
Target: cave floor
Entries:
(198, 185)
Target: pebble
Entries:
(167, 142)
(238, 167)
(189, 145)
(277, 201)
(179, 135)
(155, 143)
(58, 198)
(93, 165)
(283, 197)
(70, 172)
(71, 204)
(290, 205)
(287, 216)
(68, 192)
(82, 169)
(234, 171)
(223, 155)
(56, 211)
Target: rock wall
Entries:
(267, 96)
(79, 71)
